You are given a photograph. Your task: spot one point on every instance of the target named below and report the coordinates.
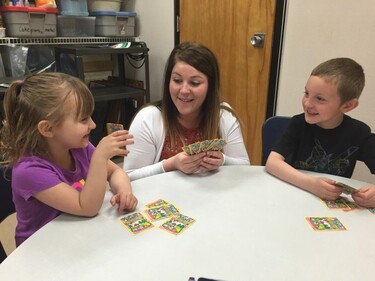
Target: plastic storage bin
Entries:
(114, 23)
(29, 21)
(68, 26)
(104, 5)
(72, 7)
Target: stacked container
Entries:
(74, 20)
(29, 21)
(109, 20)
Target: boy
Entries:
(323, 138)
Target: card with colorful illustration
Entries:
(351, 206)
(113, 127)
(346, 189)
(195, 148)
(218, 144)
(157, 203)
(341, 203)
(162, 212)
(178, 224)
(186, 149)
(136, 223)
(203, 146)
(325, 223)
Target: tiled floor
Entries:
(8, 226)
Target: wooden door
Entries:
(226, 26)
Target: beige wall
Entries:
(319, 30)
(155, 26)
(315, 31)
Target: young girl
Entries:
(45, 139)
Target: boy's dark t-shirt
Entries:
(332, 151)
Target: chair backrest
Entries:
(272, 130)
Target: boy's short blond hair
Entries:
(346, 73)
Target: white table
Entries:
(250, 226)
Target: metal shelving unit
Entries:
(80, 46)
(65, 40)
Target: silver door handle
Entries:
(257, 40)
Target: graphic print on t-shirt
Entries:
(78, 185)
(320, 161)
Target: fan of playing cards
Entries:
(203, 146)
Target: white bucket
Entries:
(104, 5)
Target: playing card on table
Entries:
(341, 203)
(346, 188)
(157, 203)
(351, 206)
(161, 212)
(136, 223)
(176, 225)
(325, 223)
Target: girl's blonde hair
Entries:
(39, 97)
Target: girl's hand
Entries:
(365, 197)
(115, 144)
(126, 201)
(212, 161)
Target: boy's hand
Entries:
(365, 197)
(126, 201)
(325, 189)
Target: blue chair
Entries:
(272, 130)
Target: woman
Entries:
(190, 111)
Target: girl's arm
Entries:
(88, 202)
(119, 183)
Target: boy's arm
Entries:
(321, 187)
(119, 183)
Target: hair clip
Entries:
(19, 88)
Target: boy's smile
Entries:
(322, 104)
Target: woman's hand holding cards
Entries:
(188, 164)
(212, 161)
